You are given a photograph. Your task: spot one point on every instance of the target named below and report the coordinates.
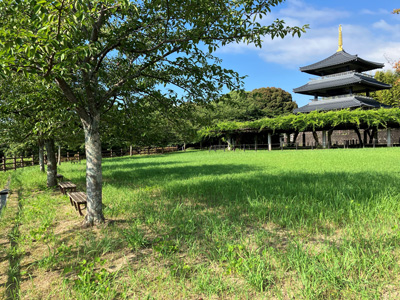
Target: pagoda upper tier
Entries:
(341, 84)
(340, 62)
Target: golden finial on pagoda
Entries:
(340, 39)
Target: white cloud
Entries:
(376, 42)
(373, 13)
(306, 13)
(393, 29)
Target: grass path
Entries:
(216, 225)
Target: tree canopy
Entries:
(97, 51)
(390, 96)
(249, 106)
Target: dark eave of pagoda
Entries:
(348, 101)
(341, 84)
(341, 61)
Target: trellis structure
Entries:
(314, 121)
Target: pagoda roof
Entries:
(339, 62)
(339, 84)
(343, 102)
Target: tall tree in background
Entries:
(95, 50)
(271, 102)
(31, 112)
(391, 96)
(248, 106)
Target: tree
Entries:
(96, 50)
(26, 121)
(271, 102)
(249, 106)
(390, 96)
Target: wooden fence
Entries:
(296, 146)
(13, 163)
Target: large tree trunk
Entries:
(51, 163)
(41, 155)
(374, 135)
(229, 141)
(330, 131)
(296, 134)
(94, 212)
(359, 136)
(315, 135)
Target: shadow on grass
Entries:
(247, 194)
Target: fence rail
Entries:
(295, 146)
(13, 163)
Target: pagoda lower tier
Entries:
(340, 84)
(341, 102)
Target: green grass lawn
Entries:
(307, 224)
(3, 179)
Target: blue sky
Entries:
(369, 30)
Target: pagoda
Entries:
(342, 83)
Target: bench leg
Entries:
(70, 200)
(79, 209)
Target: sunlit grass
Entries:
(303, 224)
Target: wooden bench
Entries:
(59, 177)
(77, 199)
(67, 186)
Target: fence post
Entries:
(15, 162)
(67, 156)
(121, 151)
(59, 155)
(22, 161)
(130, 150)
(111, 154)
(33, 162)
(4, 164)
(79, 158)
(244, 148)
(269, 141)
(388, 138)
